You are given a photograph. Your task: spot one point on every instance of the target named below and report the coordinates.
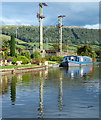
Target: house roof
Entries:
(3, 48)
(52, 51)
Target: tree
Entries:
(12, 46)
(98, 52)
(86, 50)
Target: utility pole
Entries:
(16, 32)
(40, 17)
(60, 32)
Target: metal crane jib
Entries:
(59, 26)
(40, 16)
(42, 4)
(61, 16)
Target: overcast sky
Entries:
(81, 14)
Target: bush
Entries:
(14, 59)
(20, 58)
(36, 61)
(37, 55)
(54, 58)
(24, 59)
(26, 54)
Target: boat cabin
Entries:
(77, 58)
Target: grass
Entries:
(18, 66)
(52, 62)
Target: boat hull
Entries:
(64, 64)
(68, 64)
(79, 64)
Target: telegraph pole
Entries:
(40, 17)
(60, 32)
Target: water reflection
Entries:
(13, 89)
(53, 93)
(60, 93)
(41, 106)
(82, 71)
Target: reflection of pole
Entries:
(60, 95)
(41, 114)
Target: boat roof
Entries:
(77, 56)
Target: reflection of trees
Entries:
(13, 89)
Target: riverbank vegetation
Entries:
(22, 43)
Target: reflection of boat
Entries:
(75, 61)
(78, 71)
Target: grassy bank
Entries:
(18, 66)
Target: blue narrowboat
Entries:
(75, 61)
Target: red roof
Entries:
(3, 48)
(51, 51)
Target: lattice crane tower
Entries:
(60, 31)
(40, 17)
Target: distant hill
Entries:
(71, 35)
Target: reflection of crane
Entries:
(41, 109)
(60, 31)
(40, 17)
(60, 94)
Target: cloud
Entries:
(51, 0)
(96, 26)
(77, 14)
(6, 21)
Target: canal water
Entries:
(52, 93)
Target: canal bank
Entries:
(22, 69)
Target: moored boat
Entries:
(75, 61)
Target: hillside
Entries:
(71, 35)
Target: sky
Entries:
(78, 14)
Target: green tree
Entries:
(12, 46)
(98, 52)
(86, 50)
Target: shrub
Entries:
(54, 58)
(37, 55)
(24, 59)
(36, 61)
(14, 59)
(26, 54)
(20, 58)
